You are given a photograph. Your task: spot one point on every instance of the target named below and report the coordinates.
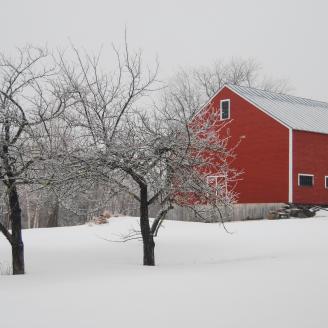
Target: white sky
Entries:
(289, 38)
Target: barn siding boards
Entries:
(295, 112)
(282, 136)
(262, 154)
(239, 212)
(310, 156)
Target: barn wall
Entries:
(310, 156)
(239, 212)
(262, 154)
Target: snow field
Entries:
(262, 274)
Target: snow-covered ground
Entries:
(264, 274)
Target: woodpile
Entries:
(292, 210)
(102, 218)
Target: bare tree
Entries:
(103, 105)
(169, 164)
(151, 155)
(196, 86)
(28, 100)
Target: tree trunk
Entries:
(36, 218)
(54, 213)
(147, 237)
(17, 250)
(17, 245)
(28, 209)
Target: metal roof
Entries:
(295, 112)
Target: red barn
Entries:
(284, 147)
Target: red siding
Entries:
(310, 153)
(262, 154)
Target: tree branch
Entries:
(6, 233)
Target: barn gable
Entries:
(294, 112)
(284, 138)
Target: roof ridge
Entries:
(294, 112)
(277, 94)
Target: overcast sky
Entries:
(289, 38)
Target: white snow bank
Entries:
(264, 274)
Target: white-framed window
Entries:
(326, 181)
(212, 181)
(216, 182)
(225, 109)
(305, 180)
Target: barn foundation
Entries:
(238, 212)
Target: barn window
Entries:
(217, 183)
(326, 182)
(305, 180)
(225, 109)
(212, 182)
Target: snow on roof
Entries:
(295, 112)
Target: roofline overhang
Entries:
(290, 134)
(246, 99)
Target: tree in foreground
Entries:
(196, 86)
(167, 165)
(28, 103)
(141, 150)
